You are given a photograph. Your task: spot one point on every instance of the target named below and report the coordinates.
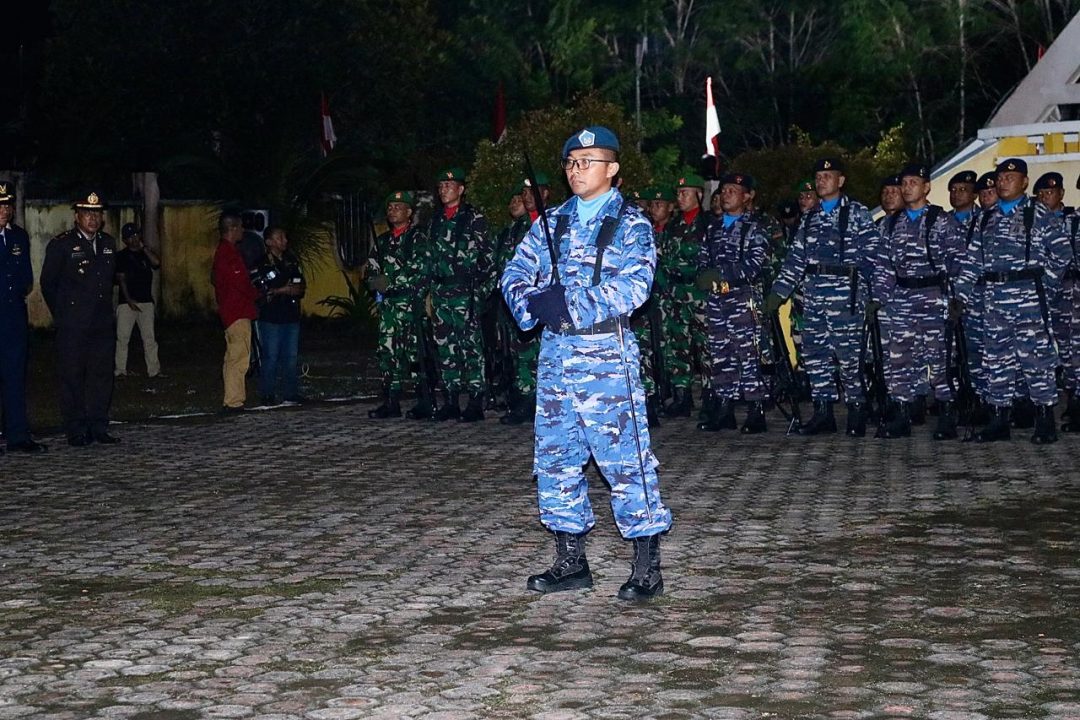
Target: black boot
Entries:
(1069, 413)
(822, 421)
(856, 419)
(1045, 432)
(391, 407)
(755, 419)
(451, 410)
(522, 410)
(570, 570)
(681, 403)
(997, 428)
(900, 424)
(727, 414)
(422, 410)
(1023, 414)
(917, 411)
(475, 409)
(706, 398)
(652, 410)
(981, 413)
(1072, 412)
(645, 580)
(710, 409)
(946, 422)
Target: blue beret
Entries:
(964, 176)
(918, 170)
(891, 181)
(829, 163)
(1012, 165)
(987, 181)
(594, 136)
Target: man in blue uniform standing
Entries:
(832, 259)
(1018, 254)
(582, 286)
(16, 280)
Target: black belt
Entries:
(1005, 276)
(684, 278)
(847, 271)
(918, 283)
(449, 282)
(604, 326)
(1072, 273)
(398, 292)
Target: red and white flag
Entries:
(328, 137)
(712, 125)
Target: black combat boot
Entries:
(1045, 432)
(391, 407)
(521, 411)
(570, 570)
(710, 410)
(755, 419)
(451, 410)
(727, 414)
(706, 397)
(997, 428)
(423, 409)
(856, 419)
(981, 413)
(475, 409)
(681, 403)
(822, 421)
(1023, 414)
(652, 410)
(645, 580)
(917, 412)
(900, 424)
(946, 422)
(1072, 414)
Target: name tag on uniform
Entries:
(106, 251)
(16, 249)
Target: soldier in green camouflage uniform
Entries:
(649, 318)
(686, 339)
(459, 267)
(394, 274)
(524, 347)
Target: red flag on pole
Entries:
(498, 124)
(712, 127)
(327, 138)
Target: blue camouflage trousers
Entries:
(733, 346)
(975, 335)
(913, 331)
(1018, 345)
(831, 338)
(582, 409)
(1066, 316)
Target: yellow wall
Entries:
(188, 240)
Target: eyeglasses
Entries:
(582, 163)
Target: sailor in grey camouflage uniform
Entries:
(1019, 254)
(920, 251)
(832, 258)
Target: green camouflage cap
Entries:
(691, 181)
(456, 174)
(399, 196)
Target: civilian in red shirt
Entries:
(236, 305)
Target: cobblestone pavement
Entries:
(316, 564)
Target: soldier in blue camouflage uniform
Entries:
(394, 274)
(920, 251)
(832, 259)
(683, 304)
(1019, 255)
(1050, 190)
(459, 267)
(731, 263)
(890, 197)
(589, 394)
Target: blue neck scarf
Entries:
(587, 209)
(730, 220)
(827, 206)
(1008, 207)
(962, 216)
(914, 215)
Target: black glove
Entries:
(708, 279)
(773, 303)
(378, 283)
(871, 309)
(549, 305)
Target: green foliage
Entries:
(357, 308)
(499, 167)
